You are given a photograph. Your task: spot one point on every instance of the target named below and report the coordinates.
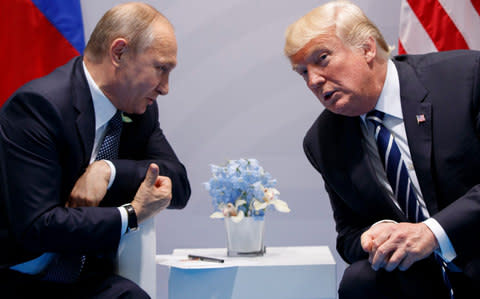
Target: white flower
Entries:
(270, 198)
(229, 210)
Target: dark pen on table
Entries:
(205, 258)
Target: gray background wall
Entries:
(233, 95)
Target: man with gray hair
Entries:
(83, 161)
(398, 148)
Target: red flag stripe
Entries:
(401, 49)
(38, 46)
(438, 24)
(476, 4)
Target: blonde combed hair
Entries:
(131, 21)
(347, 20)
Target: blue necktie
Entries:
(66, 267)
(109, 148)
(399, 179)
(395, 168)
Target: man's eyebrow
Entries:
(298, 68)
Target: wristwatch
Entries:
(132, 218)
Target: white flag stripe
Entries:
(414, 38)
(466, 18)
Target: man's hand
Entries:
(153, 195)
(398, 245)
(91, 187)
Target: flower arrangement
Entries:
(241, 189)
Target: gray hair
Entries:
(131, 21)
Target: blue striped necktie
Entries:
(67, 267)
(399, 179)
(395, 169)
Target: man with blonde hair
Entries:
(402, 180)
(83, 161)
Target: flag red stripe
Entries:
(35, 48)
(401, 49)
(476, 4)
(438, 25)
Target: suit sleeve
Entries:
(349, 226)
(137, 154)
(461, 219)
(32, 136)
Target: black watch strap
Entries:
(132, 218)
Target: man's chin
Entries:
(142, 110)
(342, 109)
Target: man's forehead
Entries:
(322, 42)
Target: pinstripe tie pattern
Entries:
(399, 179)
(67, 267)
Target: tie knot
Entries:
(375, 116)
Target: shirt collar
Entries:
(389, 100)
(104, 109)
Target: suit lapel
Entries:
(82, 101)
(362, 175)
(417, 116)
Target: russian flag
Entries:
(36, 36)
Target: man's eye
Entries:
(303, 73)
(323, 57)
(161, 68)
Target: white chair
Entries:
(136, 257)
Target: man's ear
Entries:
(117, 49)
(370, 49)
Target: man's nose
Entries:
(162, 87)
(315, 77)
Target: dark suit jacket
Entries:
(47, 130)
(445, 150)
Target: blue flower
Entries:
(242, 188)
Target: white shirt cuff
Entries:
(384, 221)
(113, 173)
(447, 252)
(124, 215)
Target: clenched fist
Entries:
(153, 195)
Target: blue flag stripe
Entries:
(66, 16)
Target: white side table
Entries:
(282, 273)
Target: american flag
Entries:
(439, 25)
(421, 118)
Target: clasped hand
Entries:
(153, 195)
(398, 245)
(91, 187)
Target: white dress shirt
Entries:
(389, 103)
(104, 111)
